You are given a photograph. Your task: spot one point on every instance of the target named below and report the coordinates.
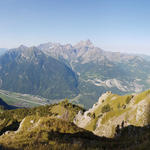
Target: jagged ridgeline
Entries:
(123, 120)
(80, 72)
(29, 70)
(100, 71)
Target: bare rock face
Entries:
(82, 120)
(143, 112)
(113, 111)
(20, 126)
(103, 97)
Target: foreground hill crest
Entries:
(112, 111)
(123, 118)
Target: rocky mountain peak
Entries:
(22, 47)
(26, 50)
(86, 43)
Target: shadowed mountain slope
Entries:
(29, 70)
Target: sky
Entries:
(114, 25)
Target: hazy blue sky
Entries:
(118, 25)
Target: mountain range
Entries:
(3, 50)
(99, 71)
(29, 70)
(80, 72)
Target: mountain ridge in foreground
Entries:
(113, 110)
(67, 126)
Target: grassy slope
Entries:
(126, 108)
(52, 110)
(114, 110)
(44, 131)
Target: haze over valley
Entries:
(80, 72)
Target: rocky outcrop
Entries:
(82, 120)
(113, 112)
